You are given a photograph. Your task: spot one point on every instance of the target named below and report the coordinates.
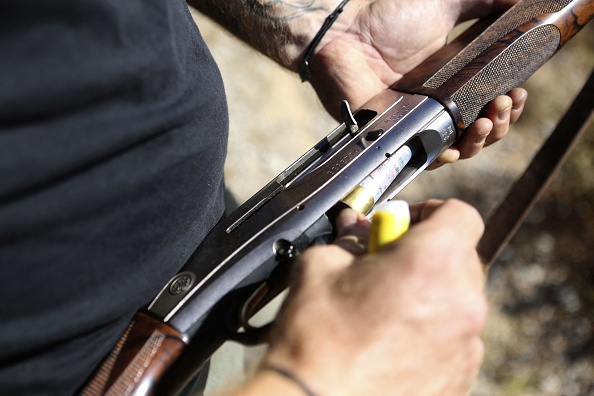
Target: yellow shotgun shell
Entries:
(389, 222)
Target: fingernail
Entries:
(480, 139)
(504, 114)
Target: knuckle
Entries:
(467, 213)
(353, 244)
(475, 315)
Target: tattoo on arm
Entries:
(289, 9)
(263, 24)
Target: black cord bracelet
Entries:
(291, 377)
(304, 71)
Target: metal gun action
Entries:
(367, 160)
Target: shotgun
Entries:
(245, 260)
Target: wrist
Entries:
(313, 30)
(304, 71)
(282, 30)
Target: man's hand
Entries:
(405, 321)
(374, 43)
(371, 45)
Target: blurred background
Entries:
(540, 336)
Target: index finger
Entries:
(352, 230)
(459, 217)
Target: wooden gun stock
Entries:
(488, 60)
(141, 357)
(472, 70)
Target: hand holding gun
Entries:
(367, 160)
(380, 318)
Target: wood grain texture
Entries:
(141, 357)
(471, 71)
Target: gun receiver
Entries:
(374, 154)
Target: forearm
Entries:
(280, 29)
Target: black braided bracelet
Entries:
(291, 377)
(304, 71)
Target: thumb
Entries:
(352, 231)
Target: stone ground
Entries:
(540, 337)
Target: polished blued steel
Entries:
(299, 197)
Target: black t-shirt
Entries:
(113, 128)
